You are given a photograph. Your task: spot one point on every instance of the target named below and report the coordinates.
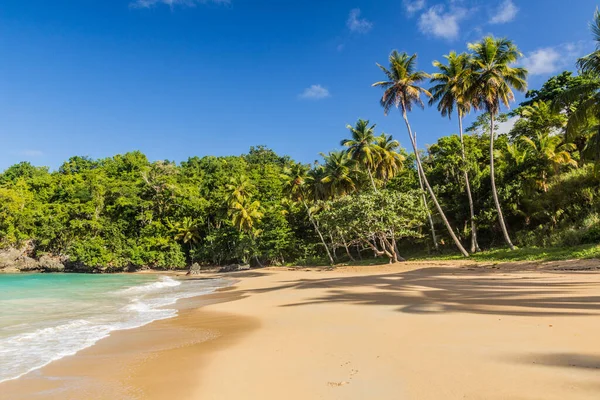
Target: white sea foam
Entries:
(124, 309)
(163, 282)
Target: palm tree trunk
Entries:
(424, 199)
(318, 232)
(430, 190)
(474, 244)
(372, 180)
(493, 180)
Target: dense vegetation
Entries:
(537, 185)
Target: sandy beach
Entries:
(404, 331)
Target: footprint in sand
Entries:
(334, 384)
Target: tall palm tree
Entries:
(490, 86)
(389, 160)
(402, 90)
(426, 206)
(338, 170)
(302, 184)
(362, 148)
(450, 92)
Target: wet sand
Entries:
(407, 331)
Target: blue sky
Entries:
(178, 78)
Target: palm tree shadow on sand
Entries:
(448, 290)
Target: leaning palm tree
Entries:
(450, 92)
(402, 90)
(490, 86)
(302, 184)
(362, 148)
(389, 160)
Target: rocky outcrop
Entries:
(235, 267)
(14, 260)
(51, 264)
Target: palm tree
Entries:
(402, 90)
(338, 174)
(390, 161)
(426, 206)
(301, 184)
(584, 120)
(490, 86)
(550, 152)
(450, 92)
(245, 214)
(591, 62)
(362, 148)
(240, 189)
(186, 231)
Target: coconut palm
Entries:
(591, 62)
(491, 85)
(585, 119)
(186, 231)
(302, 184)
(550, 152)
(402, 91)
(240, 189)
(338, 170)
(389, 160)
(245, 214)
(450, 92)
(426, 206)
(362, 148)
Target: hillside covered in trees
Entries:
(536, 185)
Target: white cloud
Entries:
(357, 24)
(437, 22)
(315, 92)
(505, 127)
(548, 60)
(31, 153)
(412, 6)
(173, 3)
(506, 12)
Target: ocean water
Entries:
(44, 317)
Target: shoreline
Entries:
(425, 330)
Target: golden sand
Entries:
(407, 331)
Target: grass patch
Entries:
(526, 254)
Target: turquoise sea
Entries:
(44, 317)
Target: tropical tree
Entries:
(490, 86)
(402, 91)
(302, 184)
(450, 92)
(390, 161)
(362, 147)
(584, 121)
(550, 153)
(338, 170)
